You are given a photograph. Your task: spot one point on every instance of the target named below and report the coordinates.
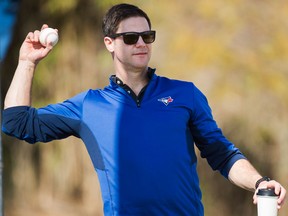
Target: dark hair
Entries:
(118, 13)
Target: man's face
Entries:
(135, 56)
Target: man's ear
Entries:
(109, 43)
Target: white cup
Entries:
(267, 202)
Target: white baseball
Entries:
(48, 35)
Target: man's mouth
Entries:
(140, 53)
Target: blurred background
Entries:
(235, 51)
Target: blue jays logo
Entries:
(166, 100)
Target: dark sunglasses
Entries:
(133, 37)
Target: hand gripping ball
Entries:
(48, 35)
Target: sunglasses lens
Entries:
(148, 37)
(130, 38)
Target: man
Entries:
(139, 131)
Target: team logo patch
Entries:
(166, 100)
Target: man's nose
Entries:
(140, 42)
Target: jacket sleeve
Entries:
(220, 153)
(45, 124)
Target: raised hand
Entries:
(32, 50)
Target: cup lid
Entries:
(266, 192)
